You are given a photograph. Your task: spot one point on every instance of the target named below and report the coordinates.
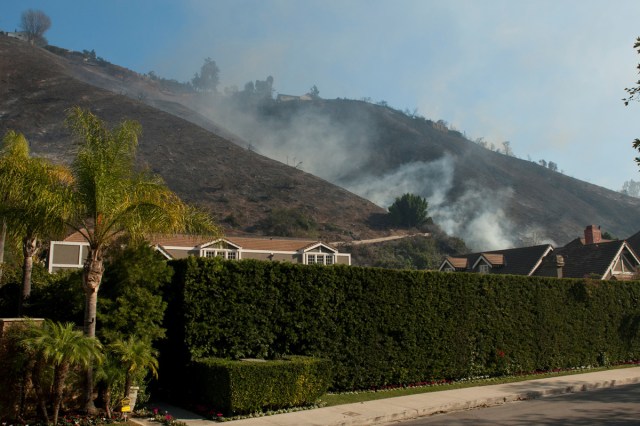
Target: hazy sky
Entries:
(548, 76)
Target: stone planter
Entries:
(133, 395)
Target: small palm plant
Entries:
(138, 356)
(109, 377)
(61, 347)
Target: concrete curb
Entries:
(420, 405)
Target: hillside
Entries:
(489, 199)
(207, 150)
(245, 191)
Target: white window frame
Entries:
(483, 268)
(317, 258)
(225, 254)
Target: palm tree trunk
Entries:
(91, 278)
(29, 250)
(106, 398)
(27, 382)
(40, 392)
(127, 384)
(59, 377)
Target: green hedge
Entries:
(382, 327)
(241, 387)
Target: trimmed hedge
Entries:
(242, 387)
(383, 327)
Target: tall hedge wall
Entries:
(383, 327)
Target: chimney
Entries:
(592, 234)
(559, 265)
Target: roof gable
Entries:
(516, 261)
(220, 242)
(580, 261)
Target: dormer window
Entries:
(483, 268)
(222, 253)
(320, 259)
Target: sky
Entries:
(547, 76)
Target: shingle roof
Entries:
(495, 259)
(516, 261)
(634, 242)
(582, 260)
(457, 262)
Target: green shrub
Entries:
(242, 387)
(391, 327)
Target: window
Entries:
(222, 253)
(320, 259)
(448, 269)
(484, 268)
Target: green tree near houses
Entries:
(132, 304)
(59, 347)
(111, 200)
(33, 194)
(408, 211)
(137, 357)
(633, 95)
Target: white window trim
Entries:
(52, 246)
(483, 268)
(223, 253)
(324, 256)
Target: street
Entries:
(619, 405)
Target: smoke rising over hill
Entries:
(488, 199)
(343, 151)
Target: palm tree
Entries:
(136, 355)
(62, 347)
(109, 375)
(111, 199)
(34, 194)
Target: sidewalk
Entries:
(409, 407)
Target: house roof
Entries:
(457, 262)
(582, 260)
(634, 242)
(246, 243)
(516, 261)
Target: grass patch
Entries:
(331, 399)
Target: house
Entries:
(516, 261)
(20, 35)
(288, 98)
(593, 256)
(72, 251)
(588, 256)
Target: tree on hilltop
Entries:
(35, 23)
(209, 77)
(409, 210)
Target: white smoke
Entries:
(431, 180)
(478, 217)
(339, 152)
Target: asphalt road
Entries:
(619, 405)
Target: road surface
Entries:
(619, 405)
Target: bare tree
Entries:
(35, 23)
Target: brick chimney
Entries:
(592, 234)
